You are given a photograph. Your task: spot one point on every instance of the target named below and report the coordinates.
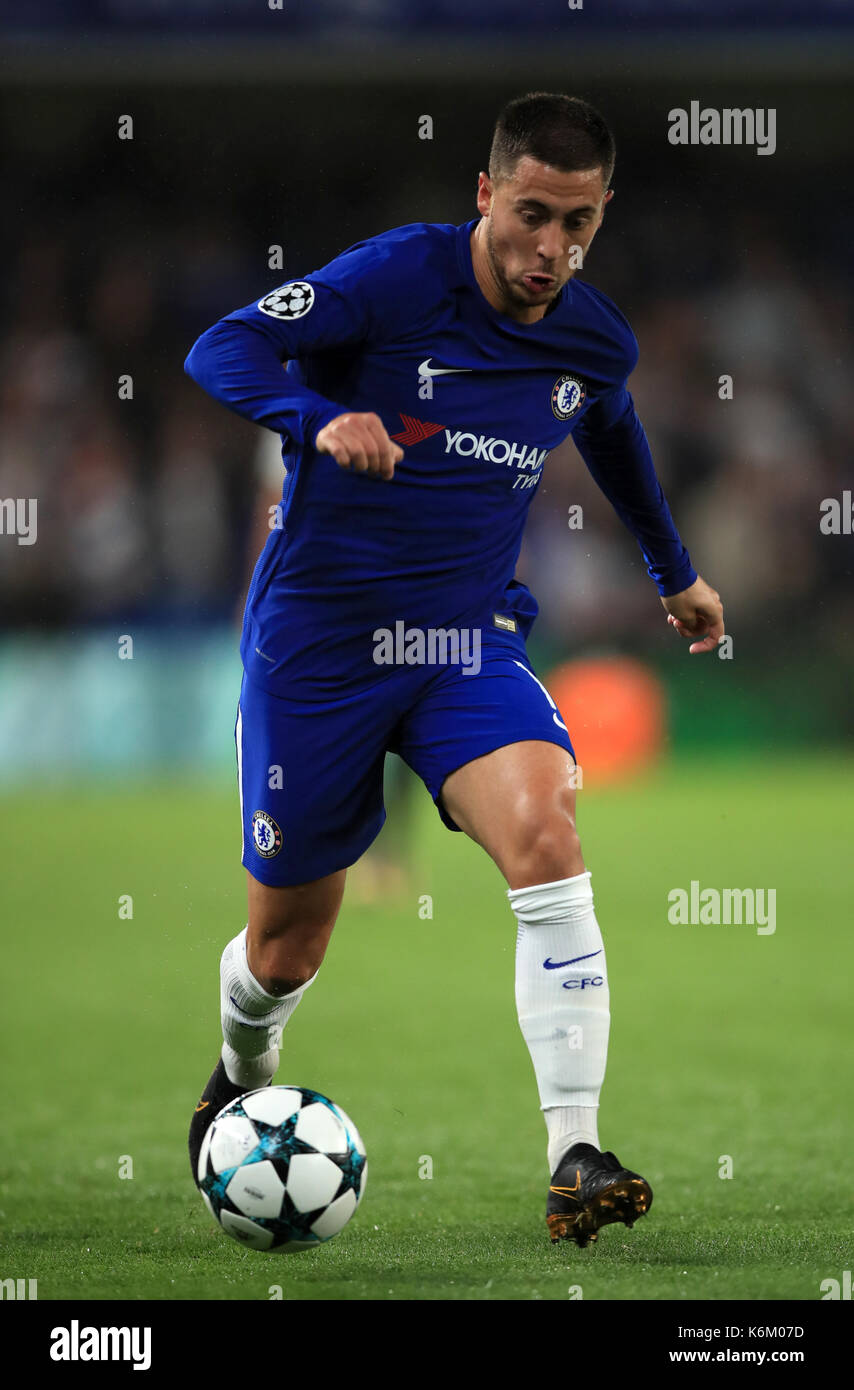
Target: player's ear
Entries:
(484, 193)
(608, 196)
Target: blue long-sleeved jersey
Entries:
(398, 325)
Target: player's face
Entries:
(536, 228)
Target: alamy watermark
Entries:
(707, 125)
(835, 1289)
(76, 1343)
(428, 646)
(19, 1289)
(19, 517)
(837, 515)
(696, 906)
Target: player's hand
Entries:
(697, 612)
(359, 442)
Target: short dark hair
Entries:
(563, 131)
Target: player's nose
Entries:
(550, 246)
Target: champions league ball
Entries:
(282, 1168)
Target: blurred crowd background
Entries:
(118, 253)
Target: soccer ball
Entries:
(282, 1168)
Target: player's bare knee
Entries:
(284, 962)
(547, 848)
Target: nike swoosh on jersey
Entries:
(549, 964)
(426, 370)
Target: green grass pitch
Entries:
(723, 1042)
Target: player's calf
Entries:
(289, 930)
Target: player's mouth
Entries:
(538, 283)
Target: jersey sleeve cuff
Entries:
(674, 580)
(320, 417)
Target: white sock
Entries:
(562, 1000)
(568, 1125)
(252, 1019)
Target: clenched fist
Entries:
(697, 612)
(359, 442)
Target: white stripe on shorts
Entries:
(238, 739)
(556, 715)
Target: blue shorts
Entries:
(310, 772)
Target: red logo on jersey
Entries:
(415, 430)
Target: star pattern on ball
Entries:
(288, 1203)
(352, 1166)
(277, 1141)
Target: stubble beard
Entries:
(512, 297)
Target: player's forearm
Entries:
(239, 367)
(620, 463)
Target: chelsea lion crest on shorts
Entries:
(266, 835)
(568, 396)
